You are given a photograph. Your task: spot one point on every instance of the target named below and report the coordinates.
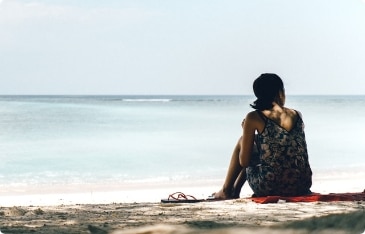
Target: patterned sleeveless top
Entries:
(281, 166)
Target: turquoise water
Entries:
(92, 139)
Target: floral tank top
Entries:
(281, 166)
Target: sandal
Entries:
(180, 197)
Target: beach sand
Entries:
(122, 209)
(232, 216)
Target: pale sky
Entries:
(180, 47)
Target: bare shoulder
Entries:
(253, 116)
(254, 120)
(294, 112)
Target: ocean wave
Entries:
(146, 100)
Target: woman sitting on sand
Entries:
(272, 152)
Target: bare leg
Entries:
(235, 178)
(238, 184)
(236, 175)
(241, 179)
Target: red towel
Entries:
(313, 198)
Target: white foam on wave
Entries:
(146, 99)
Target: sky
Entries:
(206, 47)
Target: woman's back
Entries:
(284, 117)
(281, 167)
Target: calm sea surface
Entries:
(92, 139)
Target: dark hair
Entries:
(266, 88)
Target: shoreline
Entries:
(55, 195)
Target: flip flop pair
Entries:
(180, 197)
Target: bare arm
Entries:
(252, 123)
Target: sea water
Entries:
(70, 140)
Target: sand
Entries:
(126, 209)
(232, 216)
